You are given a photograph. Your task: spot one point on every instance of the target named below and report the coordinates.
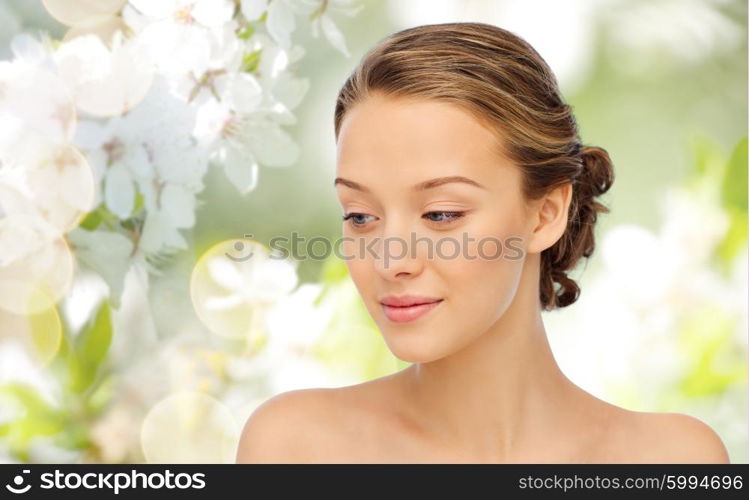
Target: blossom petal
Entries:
(240, 170)
(225, 273)
(246, 93)
(290, 90)
(155, 8)
(334, 35)
(119, 191)
(280, 23)
(253, 9)
(213, 13)
(272, 146)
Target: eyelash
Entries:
(454, 216)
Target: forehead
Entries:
(407, 132)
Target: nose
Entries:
(398, 256)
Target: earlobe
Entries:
(550, 218)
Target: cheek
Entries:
(359, 268)
(484, 280)
(484, 286)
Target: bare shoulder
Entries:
(676, 438)
(325, 425)
(286, 428)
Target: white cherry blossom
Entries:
(74, 12)
(35, 108)
(321, 19)
(105, 82)
(180, 34)
(253, 9)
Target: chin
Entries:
(423, 350)
(415, 357)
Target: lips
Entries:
(408, 300)
(408, 308)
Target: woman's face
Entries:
(476, 231)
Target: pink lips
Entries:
(408, 307)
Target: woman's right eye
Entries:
(356, 219)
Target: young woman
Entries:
(468, 196)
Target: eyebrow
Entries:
(422, 186)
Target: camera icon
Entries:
(18, 481)
(239, 247)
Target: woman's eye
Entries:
(444, 217)
(359, 220)
(356, 219)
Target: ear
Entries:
(549, 218)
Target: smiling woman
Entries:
(453, 139)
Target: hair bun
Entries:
(597, 170)
(595, 178)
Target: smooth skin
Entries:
(483, 386)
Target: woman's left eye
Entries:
(444, 217)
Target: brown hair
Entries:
(506, 84)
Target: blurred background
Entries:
(157, 350)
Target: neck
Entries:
(493, 396)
